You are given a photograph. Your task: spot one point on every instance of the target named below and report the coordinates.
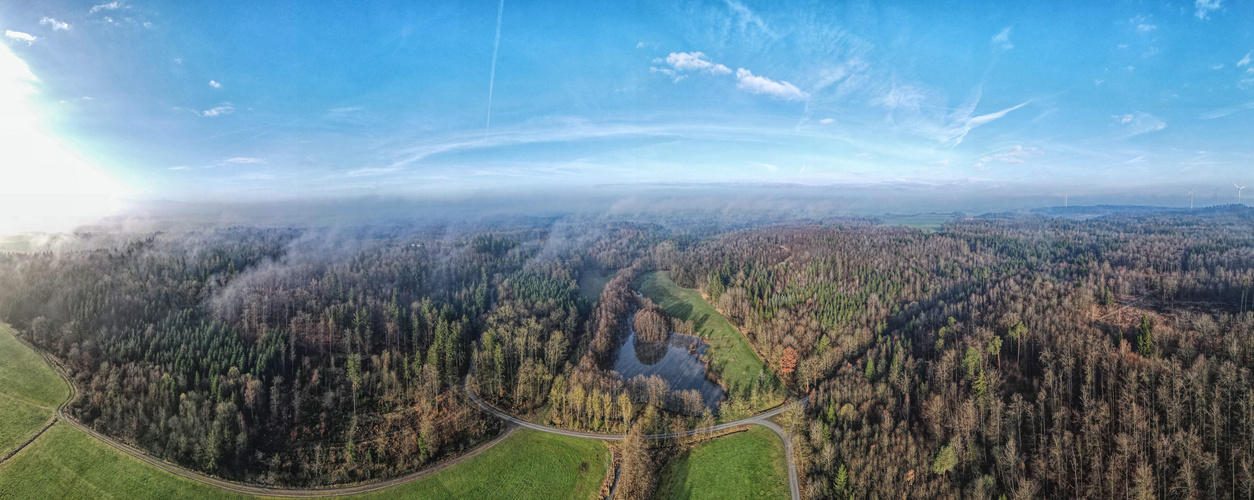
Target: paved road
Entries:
(762, 419)
(266, 491)
(512, 424)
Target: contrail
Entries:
(492, 77)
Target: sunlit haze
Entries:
(299, 101)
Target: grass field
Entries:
(29, 392)
(592, 281)
(728, 348)
(66, 464)
(527, 465)
(925, 222)
(744, 465)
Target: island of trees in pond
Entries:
(1012, 355)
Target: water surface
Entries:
(672, 361)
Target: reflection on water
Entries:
(670, 360)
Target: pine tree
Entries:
(1145, 337)
(842, 478)
(945, 460)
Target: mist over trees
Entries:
(1012, 354)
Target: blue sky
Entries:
(281, 100)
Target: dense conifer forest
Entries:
(1006, 355)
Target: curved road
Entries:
(246, 489)
(762, 419)
(512, 424)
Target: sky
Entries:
(299, 100)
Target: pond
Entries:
(674, 361)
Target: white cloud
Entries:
(747, 17)
(1134, 124)
(695, 61)
(1220, 113)
(180, 167)
(218, 111)
(18, 35)
(1202, 8)
(1142, 25)
(215, 84)
(56, 25)
(114, 5)
(245, 160)
(1244, 60)
(962, 123)
(640, 45)
(1001, 41)
(369, 171)
(1015, 155)
(747, 81)
(827, 121)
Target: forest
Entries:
(1006, 355)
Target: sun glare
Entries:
(43, 185)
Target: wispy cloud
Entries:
(747, 81)
(1245, 61)
(215, 84)
(1015, 155)
(180, 167)
(1220, 113)
(1134, 124)
(961, 121)
(115, 5)
(1203, 8)
(827, 121)
(18, 35)
(698, 62)
(218, 111)
(694, 61)
(369, 171)
(1142, 25)
(56, 25)
(746, 18)
(244, 160)
(1001, 41)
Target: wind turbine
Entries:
(1190, 199)
(1239, 188)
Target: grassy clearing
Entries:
(529, 464)
(65, 464)
(25, 376)
(744, 465)
(592, 281)
(29, 392)
(728, 348)
(19, 420)
(924, 222)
